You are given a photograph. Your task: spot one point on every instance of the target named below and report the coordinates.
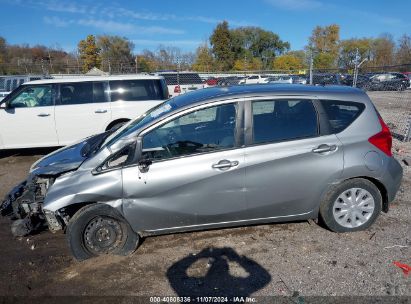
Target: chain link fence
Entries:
(387, 86)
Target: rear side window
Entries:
(135, 90)
(81, 93)
(341, 114)
(282, 120)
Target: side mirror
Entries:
(144, 165)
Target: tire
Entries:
(337, 215)
(91, 225)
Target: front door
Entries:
(288, 163)
(197, 174)
(28, 120)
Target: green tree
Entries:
(324, 43)
(204, 61)
(221, 44)
(287, 62)
(3, 55)
(255, 64)
(382, 50)
(89, 53)
(403, 54)
(116, 52)
(349, 48)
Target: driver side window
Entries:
(33, 96)
(206, 130)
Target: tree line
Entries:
(227, 49)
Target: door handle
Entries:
(43, 114)
(225, 164)
(100, 111)
(324, 148)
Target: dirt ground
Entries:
(296, 259)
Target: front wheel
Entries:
(99, 229)
(351, 206)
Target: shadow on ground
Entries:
(26, 152)
(217, 272)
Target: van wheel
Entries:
(351, 206)
(99, 229)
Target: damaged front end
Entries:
(24, 203)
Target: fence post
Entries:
(407, 136)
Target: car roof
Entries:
(93, 78)
(251, 90)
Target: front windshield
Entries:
(146, 118)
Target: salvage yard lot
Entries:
(299, 258)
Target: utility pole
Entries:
(357, 67)
(136, 64)
(311, 67)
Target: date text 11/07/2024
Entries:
(238, 299)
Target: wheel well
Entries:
(113, 123)
(68, 212)
(381, 188)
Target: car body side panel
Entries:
(288, 178)
(184, 192)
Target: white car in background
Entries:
(254, 79)
(3, 95)
(280, 79)
(57, 112)
(181, 82)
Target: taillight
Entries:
(383, 139)
(177, 89)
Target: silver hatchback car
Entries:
(214, 158)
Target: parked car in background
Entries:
(181, 82)
(58, 112)
(211, 81)
(218, 157)
(280, 79)
(327, 79)
(389, 82)
(299, 79)
(254, 79)
(408, 74)
(3, 94)
(229, 80)
(363, 82)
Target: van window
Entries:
(32, 96)
(341, 114)
(81, 93)
(281, 120)
(136, 89)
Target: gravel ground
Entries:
(291, 259)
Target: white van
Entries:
(57, 112)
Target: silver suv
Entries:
(214, 158)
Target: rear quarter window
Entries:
(137, 90)
(341, 114)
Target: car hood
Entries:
(68, 158)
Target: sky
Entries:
(186, 24)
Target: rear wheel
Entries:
(351, 206)
(99, 229)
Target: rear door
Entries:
(29, 119)
(82, 110)
(289, 164)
